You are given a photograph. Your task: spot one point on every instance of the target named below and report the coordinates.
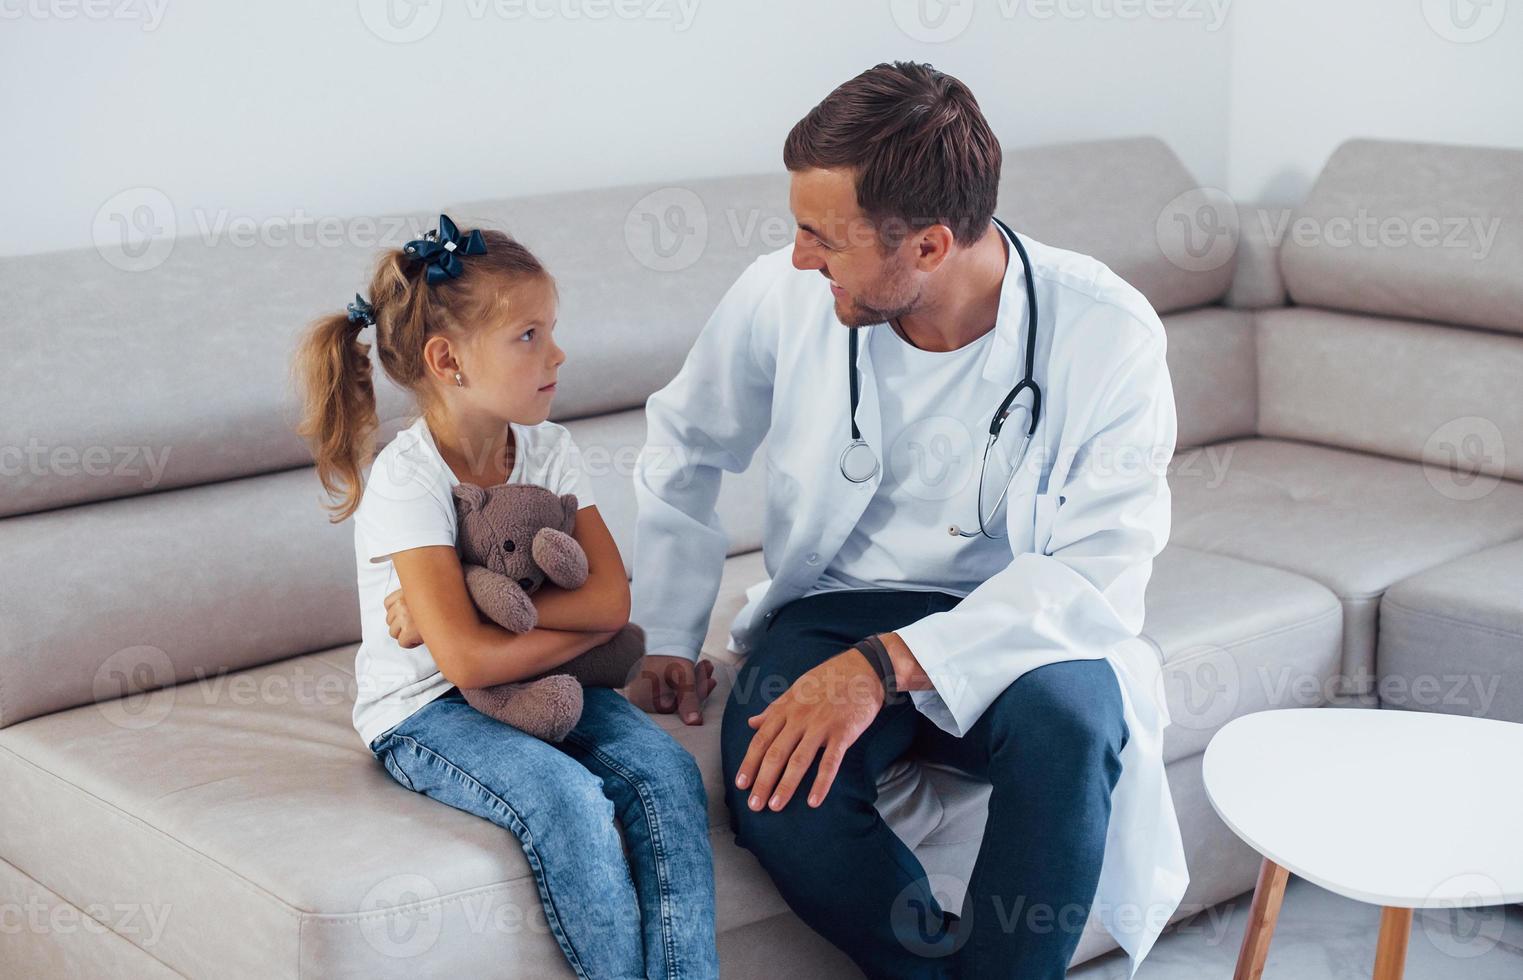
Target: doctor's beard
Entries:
(894, 296)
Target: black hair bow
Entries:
(442, 250)
(361, 312)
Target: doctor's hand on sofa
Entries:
(667, 685)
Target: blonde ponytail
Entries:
(339, 414)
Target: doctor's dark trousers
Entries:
(1050, 745)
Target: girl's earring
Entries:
(459, 381)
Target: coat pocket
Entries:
(1046, 512)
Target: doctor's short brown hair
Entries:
(922, 150)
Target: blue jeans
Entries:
(1050, 745)
(651, 915)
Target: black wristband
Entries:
(876, 653)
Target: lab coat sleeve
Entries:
(1083, 594)
(708, 419)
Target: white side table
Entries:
(1400, 809)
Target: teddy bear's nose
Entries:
(526, 583)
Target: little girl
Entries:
(466, 321)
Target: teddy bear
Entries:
(512, 538)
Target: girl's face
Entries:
(511, 367)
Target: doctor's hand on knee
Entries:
(667, 685)
(822, 713)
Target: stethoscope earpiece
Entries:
(859, 463)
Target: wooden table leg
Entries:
(1267, 895)
(1391, 948)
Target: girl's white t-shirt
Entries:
(408, 502)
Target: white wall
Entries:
(291, 110)
(1308, 74)
(287, 108)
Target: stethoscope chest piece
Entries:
(858, 462)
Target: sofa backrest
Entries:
(161, 521)
(1132, 204)
(1129, 203)
(1406, 267)
(1415, 231)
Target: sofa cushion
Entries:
(233, 799)
(1422, 231)
(168, 587)
(123, 381)
(1443, 397)
(1355, 523)
(246, 805)
(1236, 637)
(1451, 638)
(165, 605)
(1211, 363)
(249, 809)
(46, 936)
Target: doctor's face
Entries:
(870, 284)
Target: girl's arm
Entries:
(469, 652)
(600, 604)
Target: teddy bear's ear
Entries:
(469, 497)
(568, 502)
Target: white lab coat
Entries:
(1087, 512)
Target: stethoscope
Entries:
(858, 462)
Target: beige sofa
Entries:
(184, 795)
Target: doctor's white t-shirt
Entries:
(935, 410)
(408, 502)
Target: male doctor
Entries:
(1006, 646)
